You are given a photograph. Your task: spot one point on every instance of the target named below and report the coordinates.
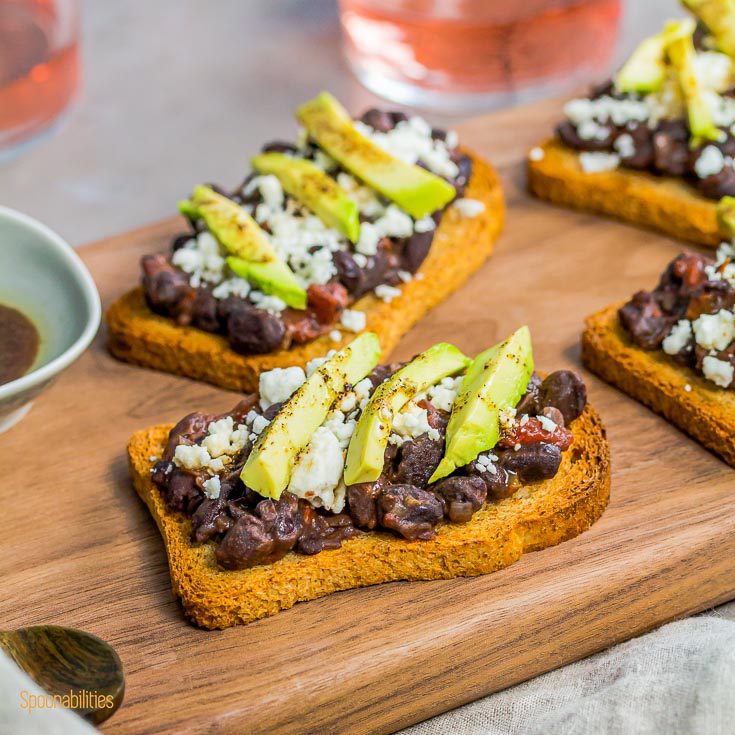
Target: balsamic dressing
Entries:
(19, 343)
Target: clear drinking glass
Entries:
(39, 67)
(465, 55)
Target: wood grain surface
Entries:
(79, 548)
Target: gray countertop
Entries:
(180, 92)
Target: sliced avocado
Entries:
(726, 216)
(413, 189)
(701, 125)
(645, 69)
(719, 17)
(314, 189)
(254, 256)
(268, 469)
(365, 454)
(496, 380)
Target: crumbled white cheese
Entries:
(469, 207)
(678, 337)
(594, 162)
(271, 190)
(223, 437)
(405, 276)
(341, 426)
(195, 457)
(713, 70)
(688, 388)
(425, 224)
(625, 145)
(363, 389)
(367, 243)
(387, 293)
(232, 287)
(259, 423)
(547, 424)
(536, 154)
(317, 472)
(212, 487)
(605, 109)
(279, 384)
(335, 335)
(202, 259)
(444, 394)
(592, 130)
(353, 320)
(451, 139)
(394, 223)
(486, 463)
(360, 259)
(272, 304)
(367, 200)
(410, 140)
(710, 162)
(314, 364)
(715, 331)
(718, 371)
(409, 423)
(724, 267)
(348, 402)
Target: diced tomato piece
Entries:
(327, 300)
(532, 432)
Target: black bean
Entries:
(566, 391)
(533, 462)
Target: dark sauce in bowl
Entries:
(19, 343)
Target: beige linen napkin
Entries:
(678, 680)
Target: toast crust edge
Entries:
(539, 516)
(665, 204)
(706, 412)
(460, 246)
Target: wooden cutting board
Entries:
(79, 547)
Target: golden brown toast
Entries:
(666, 204)
(538, 516)
(459, 248)
(704, 411)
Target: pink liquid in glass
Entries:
(469, 53)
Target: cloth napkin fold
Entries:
(678, 680)
(17, 719)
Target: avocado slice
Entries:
(254, 255)
(414, 189)
(314, 189)
(645, 69)
(268, 468)
(681, 54)
(365, 454)
(719, 17)
(496, 380)
(726, 216)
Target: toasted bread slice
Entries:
(696, 405)
(538, 516)
(459, 248)
(666, 204)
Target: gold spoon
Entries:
(81, 668)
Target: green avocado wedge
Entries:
(645, 69)
(681, 54)
(726, 217)
(719, 17)
(496, 379)
(314, 189)
(268, 468)
(254, 257)
(365, 454)
(412, 188)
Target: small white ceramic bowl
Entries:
(44, 278)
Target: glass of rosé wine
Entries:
(468, 55)
(39, 67)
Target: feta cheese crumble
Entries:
(710, 162)
(353, 320)
(595, 162)
(678, 337)
(536, 154)
(410, 423)
(469, 208)
(625, 145)
(718, 371)
(279, 384)
(387, 293)
(222, 441)
(715, 331)
(201, 259)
